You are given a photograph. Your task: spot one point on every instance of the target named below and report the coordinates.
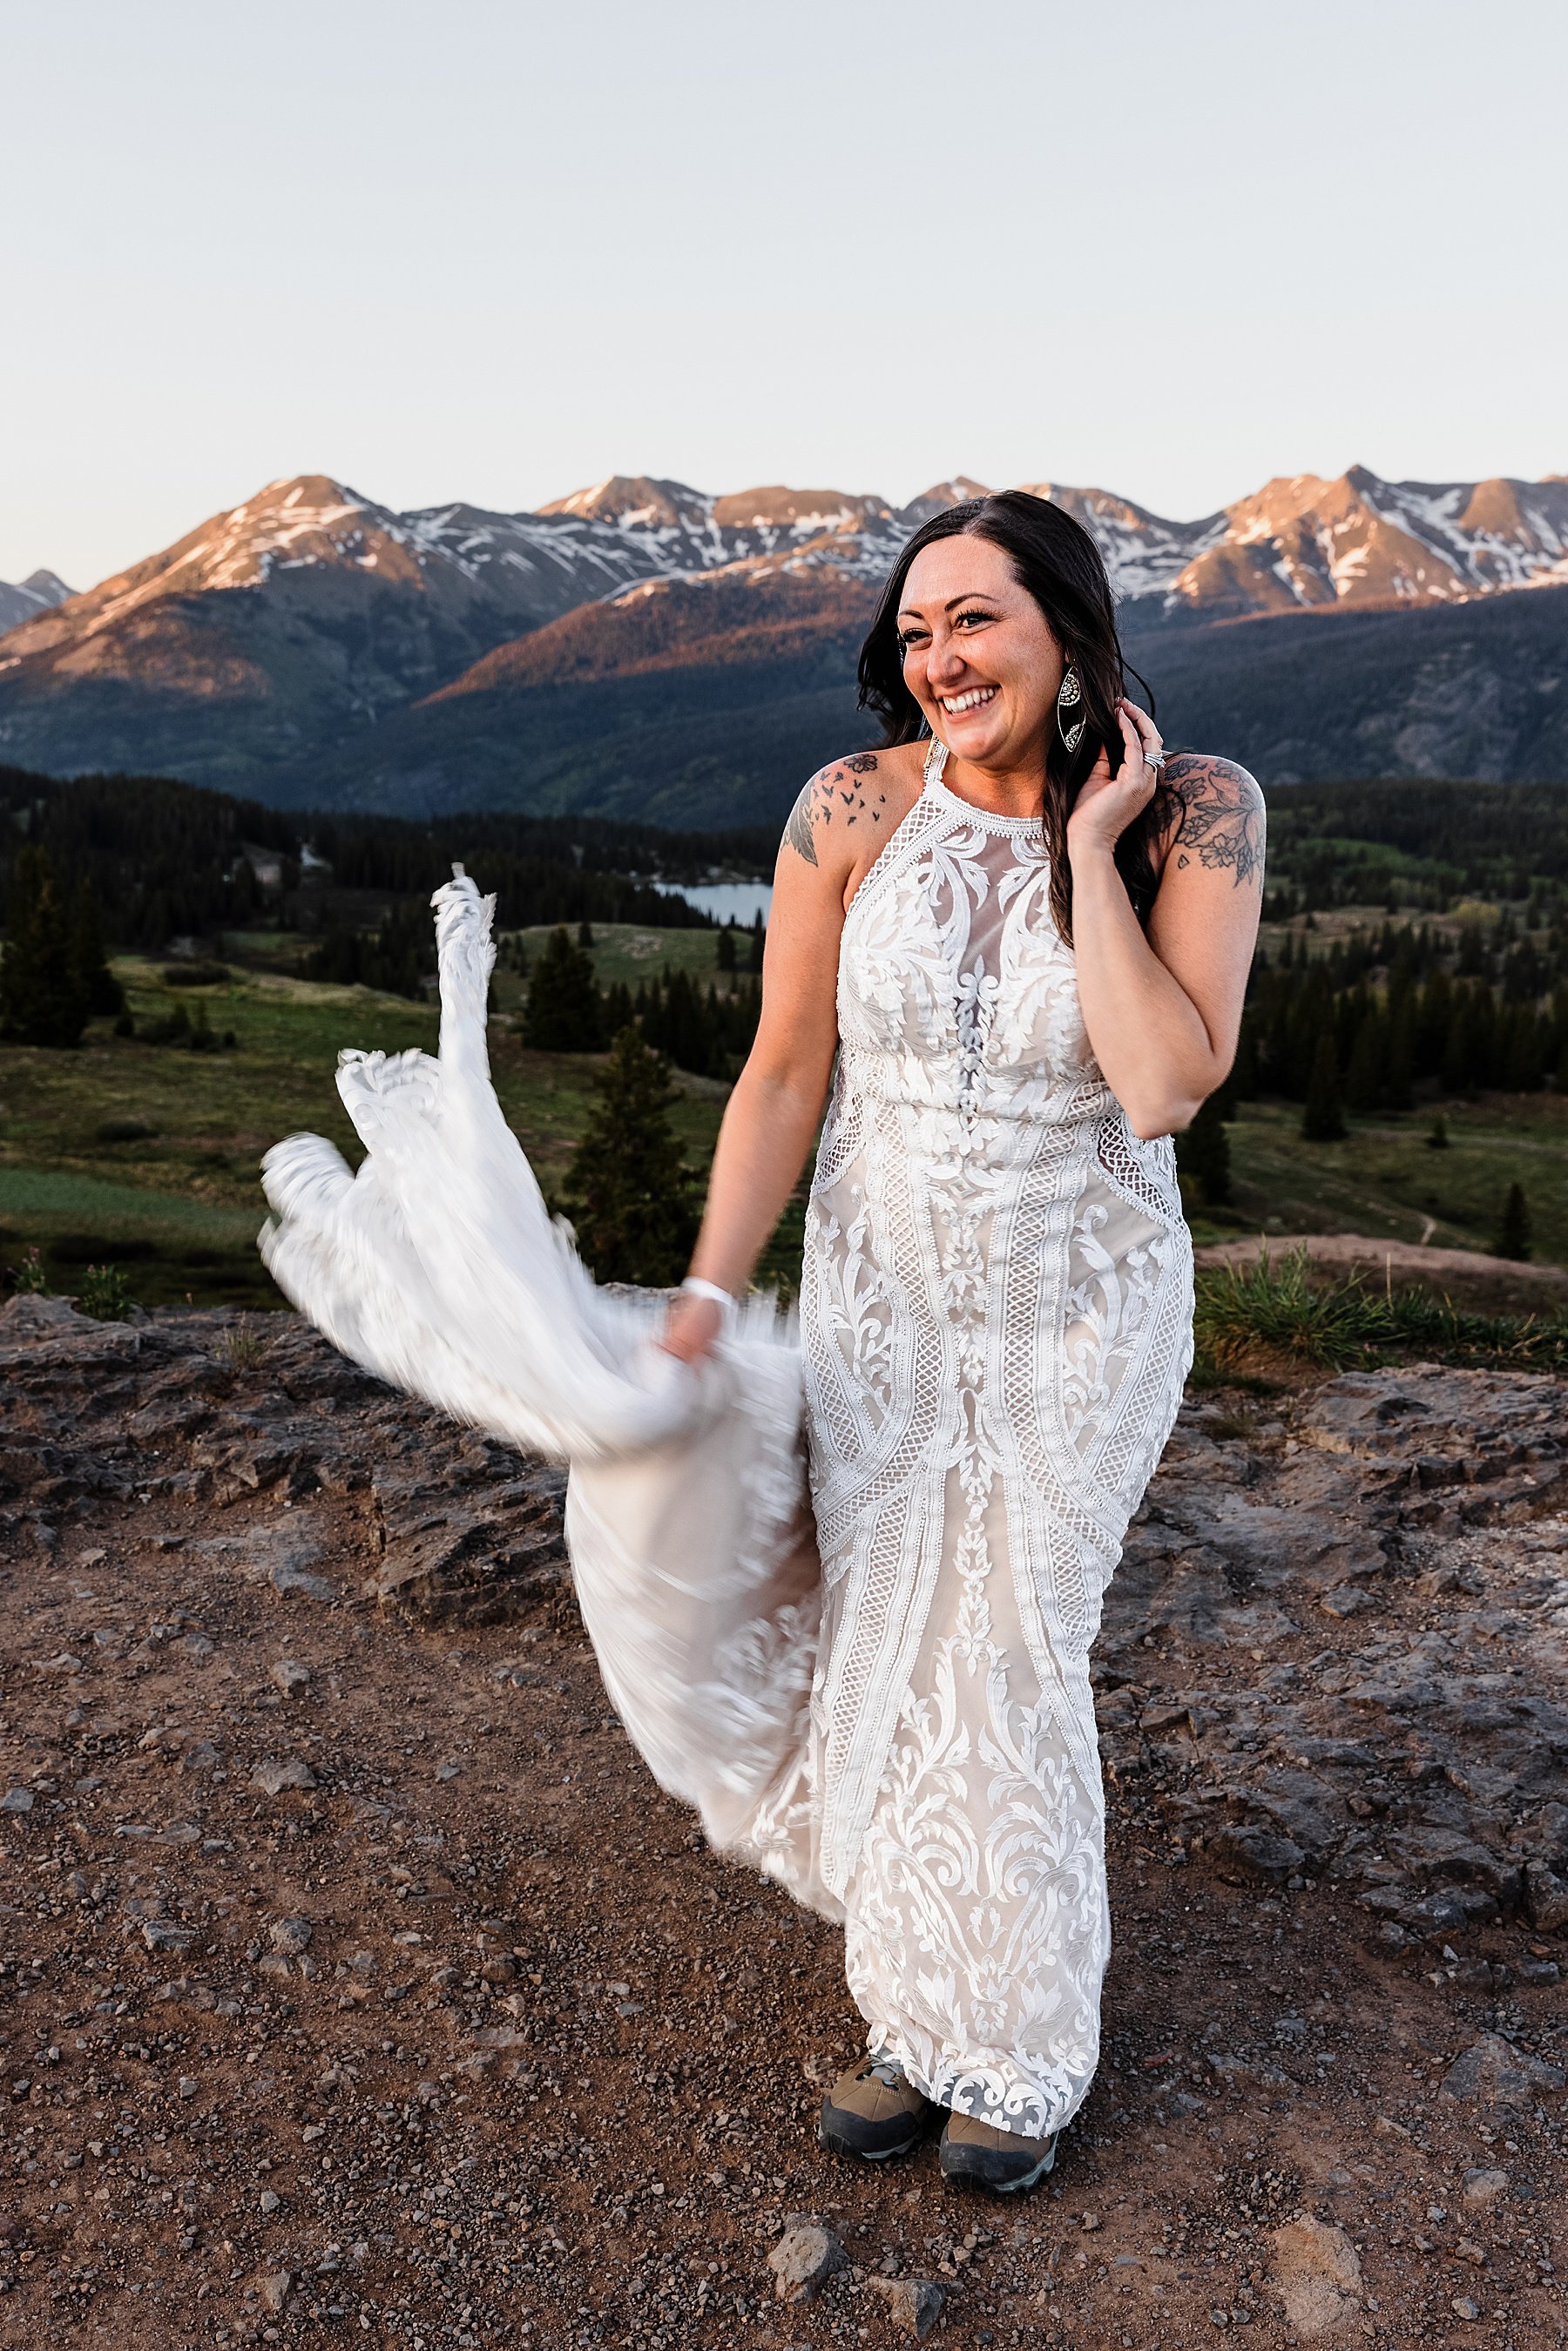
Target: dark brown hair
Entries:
(1055, 559)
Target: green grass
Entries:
(1385, 1181)
(35, 1191)
(169, 1244)
(622, 951)
(1273, 1315)
(180, 1208)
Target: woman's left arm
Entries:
(1164, 1010)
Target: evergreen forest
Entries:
(1402, 1065)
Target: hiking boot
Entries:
(872, 2111)
(1003, 2161)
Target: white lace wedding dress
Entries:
(842, 1582)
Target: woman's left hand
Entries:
(1108, 803)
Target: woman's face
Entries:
(978, 655)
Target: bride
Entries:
(843, 1581)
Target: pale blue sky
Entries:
(493, 251)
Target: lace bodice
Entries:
(955, 988)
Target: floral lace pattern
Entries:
(877, 1694)
(996, 1320)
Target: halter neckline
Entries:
(936, 761)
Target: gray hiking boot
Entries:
(1003, 2161)
(872, 2111)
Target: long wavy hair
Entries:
(1057, 560)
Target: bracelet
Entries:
(701, 1288)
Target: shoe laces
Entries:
(885, 2070)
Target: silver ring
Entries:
(1156, 760)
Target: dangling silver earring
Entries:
(1070, 696)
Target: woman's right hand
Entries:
(691, 1326)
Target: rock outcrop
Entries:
(209, 1406)
(1336, 1648)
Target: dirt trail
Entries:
(357, 1978)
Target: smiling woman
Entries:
(843, 1596)
(1025, 935)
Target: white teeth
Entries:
(975, 695)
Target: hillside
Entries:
(1471, 689)
(659, 706)
(312, 646)
(683, 702)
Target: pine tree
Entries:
(1513, 1233)
(724, 955)
(105, 995)
(563, 1014)
(628, 1193)
(1400, 1064)
(1524, 1054)
(1364, 1075)
(1203, 1154)
(42, 999)
(1322, 1120)
(759, 940)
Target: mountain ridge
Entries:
(310, 632)
(22, 600)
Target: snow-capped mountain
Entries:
(1361, 540)
(281, 637)
(1298, 541)
(37, 593)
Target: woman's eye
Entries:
(907, 645)
(979, 617)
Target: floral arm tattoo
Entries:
(843, 794)
(1216, 817)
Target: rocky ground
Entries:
(356, 1976)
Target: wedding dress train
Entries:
(842, 1579)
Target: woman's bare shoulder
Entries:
(1216, 816)
(847, 809)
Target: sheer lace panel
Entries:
(994, 1318)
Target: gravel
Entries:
(544, 2062)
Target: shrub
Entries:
(1513, 1237)
(103, 1294)
(242, 1346)
(29, 1279)
(179, 1030)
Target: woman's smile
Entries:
(973, 697)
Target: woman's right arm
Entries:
(772, 1115)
